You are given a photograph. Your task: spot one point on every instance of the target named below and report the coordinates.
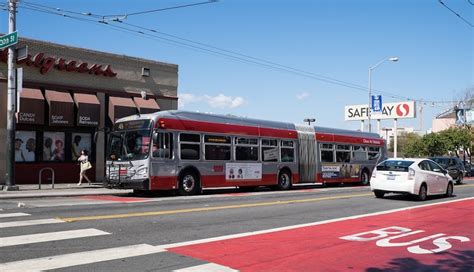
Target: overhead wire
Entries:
(457, 14)
(186, 44)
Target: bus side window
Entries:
(287, 151)
(374, 153)
(343, 153)
(163, 146)
(327, 152)
(190, 146)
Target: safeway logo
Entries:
(403, 110)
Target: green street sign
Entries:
(8, 40)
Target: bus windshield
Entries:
(129, 145)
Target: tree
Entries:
(456, 139)
(433, 145)
(413, 145)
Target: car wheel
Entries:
(284, 180)
(449, 190)
(188, 184)
(365, 178)
(379, 194)
(423, 193)
(459, 180)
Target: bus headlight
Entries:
(142, 171)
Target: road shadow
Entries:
(457, 261)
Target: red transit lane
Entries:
(430, 238)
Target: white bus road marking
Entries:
(246, 234)
(30, 223)
(49, 236)
(210, 267)
(80, 258)
(6, 215)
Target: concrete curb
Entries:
(61, 190)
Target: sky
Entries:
(272, 59)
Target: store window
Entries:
(25, 146)
(53, 146)
(80, 141)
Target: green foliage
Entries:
(413, 145)
(433, 145)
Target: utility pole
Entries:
(11, 100)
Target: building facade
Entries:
(69, 101)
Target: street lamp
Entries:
(309, 120)
(394, 59)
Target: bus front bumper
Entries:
(140, 184)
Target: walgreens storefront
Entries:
(70, 99)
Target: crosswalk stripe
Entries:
(6, 215)
(80, 258)
(30, 223)
(210, 267)
(49, 236)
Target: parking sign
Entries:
(376, 103)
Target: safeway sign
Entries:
(397, 110)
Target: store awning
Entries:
(120, 107)
(31, 107)
(88, 109)
(61, 108)
(146, 106)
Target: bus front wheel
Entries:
(188, 184)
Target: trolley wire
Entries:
(201, 47)
(455, 13)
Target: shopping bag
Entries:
(86, 165)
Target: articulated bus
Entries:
(189, 151)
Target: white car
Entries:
(420, 177)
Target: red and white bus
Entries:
(188, 151)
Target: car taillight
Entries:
(374, 174)
(411, 173)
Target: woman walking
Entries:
(85, 165)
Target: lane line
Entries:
(30, 223)
(80, 258)
(49, 236)
(6, 215)
(210, 267)
(245, 234)
(207, 209)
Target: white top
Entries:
(83, 158)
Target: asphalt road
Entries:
(97, 229)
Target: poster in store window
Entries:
(25, 146)
(243, 171)
(80, 141)
(53, 146)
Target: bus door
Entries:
(307, 153)
(163, 165)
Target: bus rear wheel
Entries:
(188, 184)
(284, 180)
(365, 177)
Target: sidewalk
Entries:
(60, 190)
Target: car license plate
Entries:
(391, 177)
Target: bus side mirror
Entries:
(155, 137)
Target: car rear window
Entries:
(444, 162)
(394, 165)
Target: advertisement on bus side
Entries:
(243, 171)
(345, 170)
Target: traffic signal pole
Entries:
(11, 100)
